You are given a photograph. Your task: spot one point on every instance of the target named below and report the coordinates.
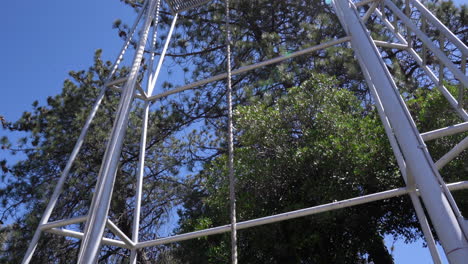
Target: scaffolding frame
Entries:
(424, 183)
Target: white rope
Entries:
(153, 45)
(232, 193)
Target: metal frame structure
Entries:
(420, 172)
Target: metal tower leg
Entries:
(418, 160)
(402, 165)
(59, 187)
(98, 213)
(152, 78)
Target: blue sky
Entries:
(43, 40)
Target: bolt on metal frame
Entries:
(417, 167)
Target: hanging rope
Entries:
(232, 193)
(153, 47)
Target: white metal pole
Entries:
(61, 223)
(61, 182)
(446, 131)
(461, 88)
(139, 185)
(416, 156)
(370, 11)
(142, 154)
(161, 58)
(445, 92)
(441, 27)
(115, 229)
(250, 67)
(390, 45)
(151, 83)
(452, 153)
(79, 235)
(292, 215)
(127, 42)
(97, 216)
(437, 52)
(59, 187)
(403, 169)
(425, 228)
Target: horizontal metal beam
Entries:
(441, 27)
(249, 68)
(365, 2)
(453, 153)
(291, 215)
(255, 222)
(112, 227)
(64, 222)
(390, 45)
(390, 26)
(178, 6)
(79, 235)
(445, 92)
(115, 82)
(435, 50)
(446, 131)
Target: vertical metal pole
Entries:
(97, 216)
(153, 46)
(440, 26)
(163, 54)
(151, 84)
(139, 185)
(424, 49)
(425, 228)
(418, 160)
(456, 72)
(127, 42)
(142, 154)
(461, 88)
(59, 187)
(370, 11)
(408, 180)
(384, 15)
(441, 64)
(408, 30)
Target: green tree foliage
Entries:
(51, 133)
(311, 146)
(314, 145)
